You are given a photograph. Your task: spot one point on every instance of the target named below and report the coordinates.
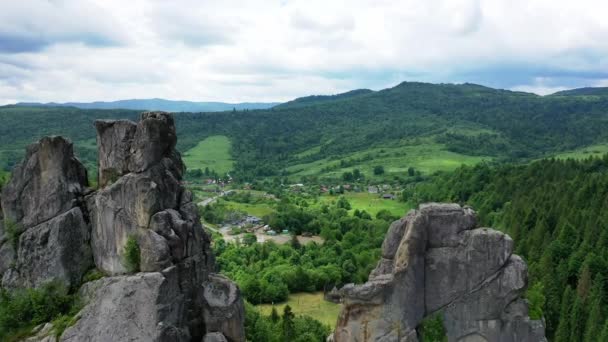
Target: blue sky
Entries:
(86, 50)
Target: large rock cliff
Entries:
(67, 229)
(435, 261)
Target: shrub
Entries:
(22, 310)
(92, 275)
(132, 255)
(432, 330)
(13, 231)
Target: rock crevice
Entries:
(435, 261)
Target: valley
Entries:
(298, 198)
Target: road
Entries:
(210, 200)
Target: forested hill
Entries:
(467, 119)
(589, 91)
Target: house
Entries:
(372, 189)
(389, 196)
(253, 219)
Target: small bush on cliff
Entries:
(132, 255)
(13, 232)
(21, 310)
(432, 330)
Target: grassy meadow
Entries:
(424, 155)
(309, 304)
(371, 203)
(212, 152)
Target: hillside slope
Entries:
(467, 119)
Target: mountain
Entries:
(317, 99)
(428, 126)
(157, 104)
(588, 91)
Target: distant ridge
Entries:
(597, 91)
(157, 104)
(317, 99)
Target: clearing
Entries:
(424, 155)
(371, 203)
(309, 304)
(212, 152)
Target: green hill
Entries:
(466, 120)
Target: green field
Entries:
(423, 155)
(213, 153)
(309, 304)
(371, 203)
(584, 152)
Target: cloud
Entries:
(274, 50)
(32, 25)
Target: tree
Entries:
(577, 319)
(411, 171)
(274, 315)
(563, 329)
(537, 300)
(357, 174)
(378, 170)
(604, 333)
(347, 176)
(249, 239)
(343, 203)
(288, 326)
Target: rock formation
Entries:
(67, 229)
(44, 202)
(434, 261)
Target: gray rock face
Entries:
(114, 139)
(65, 229)
(44, 200)
(224, 310)
(177, 298)
(141, 307)
(54, 250)
(48, 182)
(435, 262)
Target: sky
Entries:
(237, 51)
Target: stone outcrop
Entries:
(177, 297)
(43, 201)
(434, 261)
(65, 229)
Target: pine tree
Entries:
(577, 319)
(604, 334)
(563, 329)
(593, 326)
(289, 328)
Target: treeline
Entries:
(557, 213)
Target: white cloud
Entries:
(84, 50)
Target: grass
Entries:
(213, 153)
(584, 152)
(371, 203)
(424, 155)
(309, 304)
